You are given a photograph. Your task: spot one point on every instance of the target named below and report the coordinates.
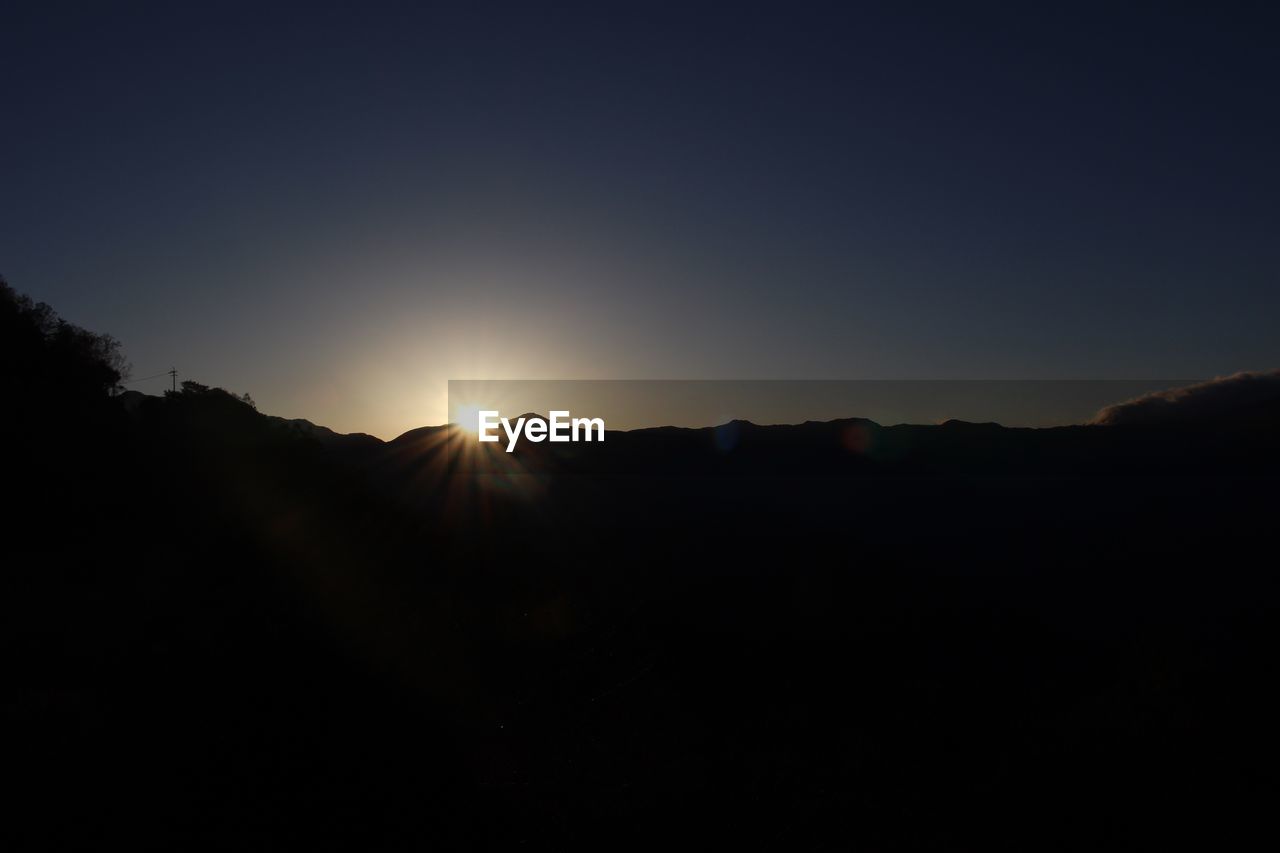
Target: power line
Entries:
(171, 372)
(145, 378)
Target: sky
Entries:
(339, 207)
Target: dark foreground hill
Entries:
(223, 629)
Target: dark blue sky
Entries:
(338, 207)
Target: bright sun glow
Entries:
(468, 418)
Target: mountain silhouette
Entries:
(255, 632)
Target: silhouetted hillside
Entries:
(1243, 402)
(223, 628)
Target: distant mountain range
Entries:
(1224, 425)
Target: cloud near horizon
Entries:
(1236, 396)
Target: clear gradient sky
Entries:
(338, 207)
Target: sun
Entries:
(468, 418)
(468, 398)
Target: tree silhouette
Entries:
(42, 352)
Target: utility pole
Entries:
(173, 375)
